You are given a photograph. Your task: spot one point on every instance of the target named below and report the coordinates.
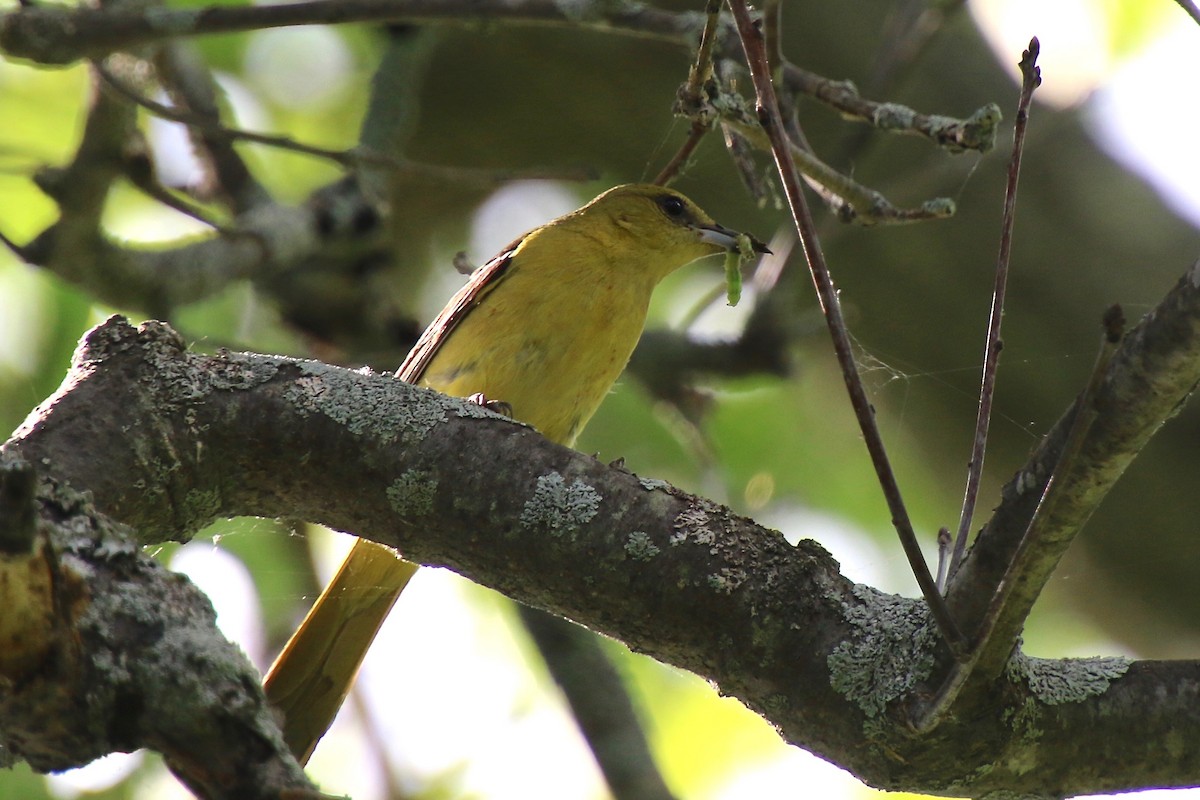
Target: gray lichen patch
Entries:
(411, 494)
(727, 580)
(692, 525)
(561, 508)
(178, 381)
(640, 547)
(243, 373)
(890, 653)
(467, 409)
(1066, 680)
(364, 405)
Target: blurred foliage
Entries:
(1132, 23)
(497, 97)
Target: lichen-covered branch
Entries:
(165, 440)
(106, 651)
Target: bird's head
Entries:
(661, 224)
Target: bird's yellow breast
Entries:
(552, 336)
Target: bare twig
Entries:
(141, 174)
(976, 132)
(1023, 579)
(994, 627)
(944, 540)
(693, 100)
(677, 162)
(213, 127)
(772, 123)
(1031, 79)
(850, 200)
(61, 35)
(702, 71)
(191, 84)
(1191, 9)
(349, 159)
(69, 35)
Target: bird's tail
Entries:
(312, 675)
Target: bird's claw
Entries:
(497, 406)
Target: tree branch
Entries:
(168, 440)
(52, 35)
(1145, 383)
(118, 654)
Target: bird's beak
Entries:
(723, 237)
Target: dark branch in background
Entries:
(215, 135)
(167, 440)
(600, 704)
(1031, 79)
(909, 27)
(192, 87)
(772, 123)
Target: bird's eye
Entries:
(672, 205)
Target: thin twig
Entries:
(1085, 415)
(702, 71)
(849, 199)
(675, 165)
(976, 132)
(190, 84)
(139, 169)
(693, 95)
(944, 540)
(1016, 591)
(1191, 8)
(345, 158)
(1031, 79)
(772, 123)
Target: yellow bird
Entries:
(545, 328)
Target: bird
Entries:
(541, 331)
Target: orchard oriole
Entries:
(545, 328)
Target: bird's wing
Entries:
(483, 280)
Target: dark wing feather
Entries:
(482, 281)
